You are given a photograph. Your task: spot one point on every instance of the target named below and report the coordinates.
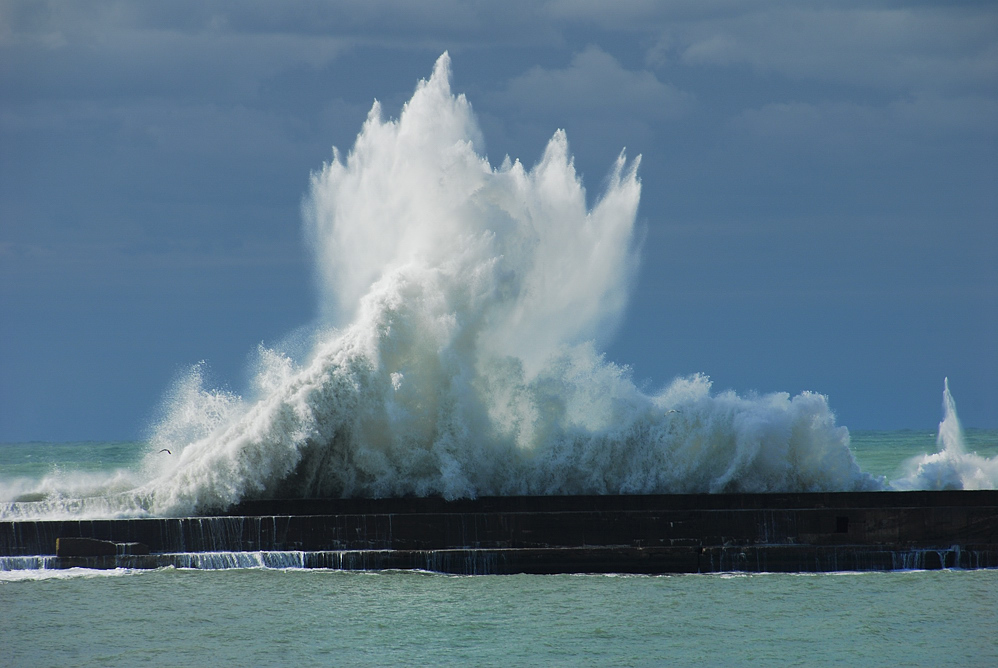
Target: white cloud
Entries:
(913, 47)
(596, 84)
(920, 50)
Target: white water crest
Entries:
(952, 467)
(466, 305)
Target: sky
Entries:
(819, 186)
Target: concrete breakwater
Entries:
(626, 534)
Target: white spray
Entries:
(952, 467)
(469, 302)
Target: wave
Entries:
(464, 309)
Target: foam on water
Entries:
(465, 306)
(38, 571)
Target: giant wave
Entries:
(464, 306)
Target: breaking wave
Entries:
(466, 305)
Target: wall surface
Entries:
(634, 534)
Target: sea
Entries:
(462, 306)
(276, 617)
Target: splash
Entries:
(952, 467)
(466, 306)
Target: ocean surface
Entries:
(270, 617)
(279, 618)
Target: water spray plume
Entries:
(464, 308)
(952, 467)
(469, 302)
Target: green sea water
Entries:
(260, 617)
(278, 618)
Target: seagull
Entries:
(166, 451)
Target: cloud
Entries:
(596, 84)
(916, 49)
(82, 60)
(434, 24)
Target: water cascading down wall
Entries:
(587, 534)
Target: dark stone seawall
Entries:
(625, 534)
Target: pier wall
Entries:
(633, 534)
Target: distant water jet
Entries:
(951, 467)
